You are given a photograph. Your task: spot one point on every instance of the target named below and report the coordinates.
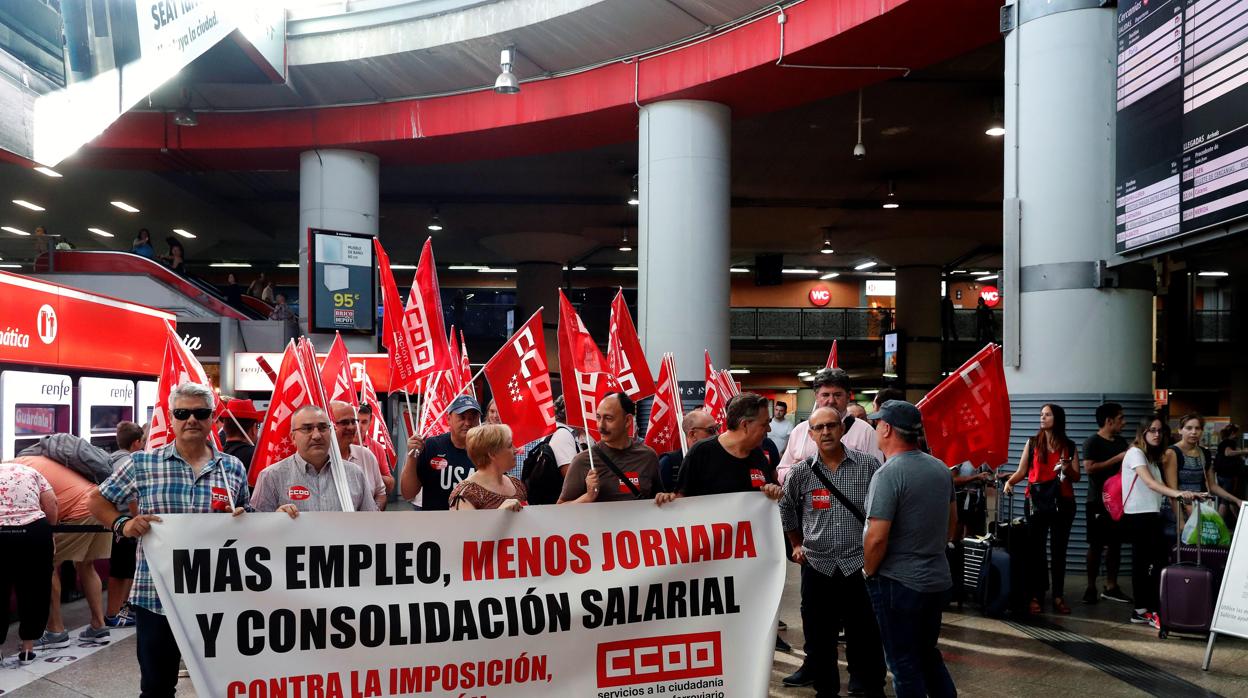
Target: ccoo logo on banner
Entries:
(677, 601)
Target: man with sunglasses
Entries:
(351, 447)
(822, 513)
(189, 476)
(304, 481)
(697, 425)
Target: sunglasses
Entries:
(183, 413)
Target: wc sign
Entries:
(820, 296)
(991, 296)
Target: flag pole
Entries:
(240, 426)
(338, 469)
(460, 392)
(675, 398)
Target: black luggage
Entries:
(993, 566)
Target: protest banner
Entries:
(609, 600)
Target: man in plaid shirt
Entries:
(826, 534)
(188, 476)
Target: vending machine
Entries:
(103, 403)
(144, 401)
(32, 405)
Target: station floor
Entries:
(1094, 653)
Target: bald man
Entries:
(352, 449)
(305, 481)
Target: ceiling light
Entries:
(497, 270)
(10, 266)
(860, 150)
(827, 248)
(13, 230)
(829, 275)
(185, 116)
(803, 374)
(739, 270)
(184, 233)
(625, 245)
(738, 370)
(988, 278)
(891, 201)
(634, 198)
(865, 265)
(790, 392)
(959, 271)
(578, 268)
(403, 266)
(799, 271)
(26, 204)
(623, 268)
(869, 392)
(124, 206)
(294, 265)
(48, 171)
(231, 265)
(470, 296)
(982, 273)
(1216, 274)
(467, 267)
(507, 82)
(435, 222)
(996, 130)
(101, 233)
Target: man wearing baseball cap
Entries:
(443, 462)
(904, 562)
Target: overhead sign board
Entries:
(343, 283)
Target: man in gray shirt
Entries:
(911, 518)
(305, 480)
(826, 535)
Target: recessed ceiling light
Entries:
(13, 230)
(865, 265)
(497, 270)
(891, 205)
(1217, 274)
(988, 278)
(295, 265)
(790, 392)
(26, 204)
(578, 268)
(982, 273)
(623, 268)
(738, 370)
(230, 265)
(625, 248)
(870, 392)
(101, 233)
(995, 130)
(466, 267)
(959, 271)
(829, 275)
(184, 233)
(799, 271)
(739, 270)
(403, 266)
(48, 171)
(124, 206)
(803, 374)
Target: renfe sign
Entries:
(991, 296)
(820, 295)
(46, 324)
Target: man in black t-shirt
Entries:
(1102, 457)
(442, 461)
(733, 461)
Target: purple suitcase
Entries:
(1188, 593)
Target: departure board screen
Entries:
(1182, 105)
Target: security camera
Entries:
(860, 151)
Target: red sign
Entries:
(820, 499)
(991, 296)
(220, 499)
(51, 325)
(298, 493)
(655, 659)
(1161, 396)
(757, 478)
(634, 478)
(820, 295)
(34, 420)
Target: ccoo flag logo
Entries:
(654, 659)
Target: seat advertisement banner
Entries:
(605, 600)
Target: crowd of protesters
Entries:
(857, 495)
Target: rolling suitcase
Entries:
(992, 565)
(1188, 593)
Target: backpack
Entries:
(1111, 493)
(540, 472)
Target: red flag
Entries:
(454, 376)
(625, 357)
(663, 434)
(379, 432)
(832, 358)
(426, 332)
(179, 366)
(336, 373)
(291, 390)
(583, 370)
(716, 400)
(729, 385)
(465, 367)
(394, 335)
(520, 382)
(967, 416)
(437, 396)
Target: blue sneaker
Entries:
(123, 619)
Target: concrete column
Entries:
(918, 321)
(338, 190)
(537, 286)
(684, 234)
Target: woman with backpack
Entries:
(1142, 527)
(1050, 463)
(1187, 466)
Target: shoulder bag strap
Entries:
(618, 473)
(853, 508)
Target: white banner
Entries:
(604, 600)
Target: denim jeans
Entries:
(909, 626)
(158, 655)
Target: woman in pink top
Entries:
(1050, 463)
(27, 512)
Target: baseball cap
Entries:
(900, 414)
(463, 403)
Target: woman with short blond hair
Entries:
(490, 487)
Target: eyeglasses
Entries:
(823, 427)
(309, 428)
(347, 422)
(184, 413)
